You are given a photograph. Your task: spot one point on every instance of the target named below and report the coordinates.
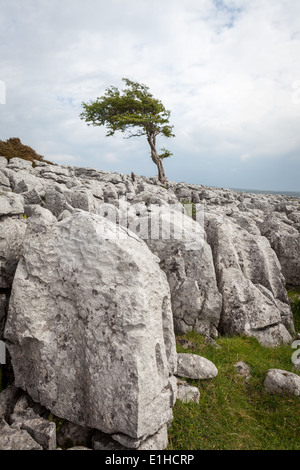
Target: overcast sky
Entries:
(229, 71)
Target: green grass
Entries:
(234, 413)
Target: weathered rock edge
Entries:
(90, 328)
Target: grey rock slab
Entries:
(24, 180)
(158, 441)
(12, 231)
(32, 197)
(55, 200)
(96, 187)
(81, 199)
(16, 439)
(90, 327)
(127, 441)
(42, 431)
(281, 382)
(39, 215)
(192, 366)
(11, 204)
(19, 164)
(8, 398)
(187, 260)
(285, 241)
(172, 385)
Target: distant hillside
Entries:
(13, 147)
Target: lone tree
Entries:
(135, 112)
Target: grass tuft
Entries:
(235, 413)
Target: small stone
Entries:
(17, 163)
(243, 369)
(11, 204)
(192, 366)
(42, 431)
(187, 393)
(102, 441)
(281, 382)
(8, 399)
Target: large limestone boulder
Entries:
(90, 327)
(249, 276)
(285, 240)
(13, 438)
(186, 258)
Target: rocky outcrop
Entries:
(96, 272)
(283, 232)
(186, 258)
(89, 325)
(187, 393)
(207, 296)
(250, 280)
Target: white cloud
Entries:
(227, 70)
(2, 92)
(65, 159)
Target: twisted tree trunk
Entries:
(155, 157)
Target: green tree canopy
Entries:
(135, 112)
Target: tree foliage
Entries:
(135, 112)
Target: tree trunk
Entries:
(156, 159)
